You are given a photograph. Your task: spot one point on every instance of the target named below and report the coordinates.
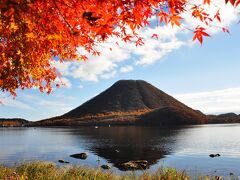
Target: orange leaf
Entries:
(175, 20)
(225, 30)
(237, 3)
(199, 33)
(155, 36)
(207, 2)
(217, 15)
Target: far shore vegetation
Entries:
(50, 171)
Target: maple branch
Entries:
(61, 14)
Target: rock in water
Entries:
(62, 161)
(134, 165)
(218, 177)
(214, 155)
(79, 156)
(105, 166)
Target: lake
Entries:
(183, 148)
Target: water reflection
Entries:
(185, 148)
(121, 144)
(113, 145)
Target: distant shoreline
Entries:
(166, 119)
(115, 125)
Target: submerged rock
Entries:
(218, 177)
(134, 165)
(214, 155)
(79, 156)
(62, 161)
(105, 166)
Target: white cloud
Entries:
(59, 106)
(14, 103)
(108, 75)
(61, 95)
(62, 67)
(156, 51)
(34, 107)
(126, 69)
(64, 81)
(213, 102)
(106, 65)
(45, 108)
(92, 69)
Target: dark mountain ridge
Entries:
(13, 122)
(223, 118)
(125, 96)
(169, 116)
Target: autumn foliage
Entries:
(34, 33)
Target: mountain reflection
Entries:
(121, 144)
(185, 148)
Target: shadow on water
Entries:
(122, 144)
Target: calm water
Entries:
(184, 148)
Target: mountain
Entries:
(172, 116)
(223, 118)
(13, 122)
(125, 96)
(129, 102)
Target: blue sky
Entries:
(203, 77)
